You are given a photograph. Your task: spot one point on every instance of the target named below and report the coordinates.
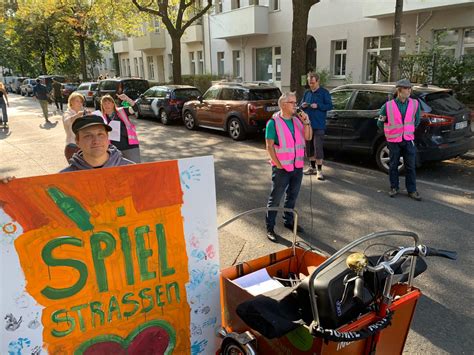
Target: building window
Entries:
(235, 4)
(236, 63)
(192, 63)
(129, 72)
(135, 65)
(263, 64)
(200, 63)
(151, 67)
(142, 68)
(468, 42)
(274, 5)
(170, 58)
(156, 25)
(220, 63)
(277, 57)
(218, 8)
(378, 54)
(123, 69)
(253, 2)
(340, 52)
(455, 43)
(111, 63)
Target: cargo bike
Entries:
(304, 301)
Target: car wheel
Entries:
(231, 347)
(164, 117)
(236, 129)
(189, 120)
(382, 158)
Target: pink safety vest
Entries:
(396, 129)
(131, 131)
(290, 151)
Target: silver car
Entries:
(88, 90)
(26, 87)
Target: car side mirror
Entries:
(141, 96)
(200, 98)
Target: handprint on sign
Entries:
(189, 175)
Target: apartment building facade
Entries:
(250, 40)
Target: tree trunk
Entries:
(176, 51)
(43, 62)
(298, 43)
(394, 72)
(82, 51)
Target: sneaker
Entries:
(319, 175)
(414, 195)
(310, 171)
(299, 229)
(272, 236)
(393, 192)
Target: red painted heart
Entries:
(153, 338)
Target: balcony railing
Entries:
(192, 34)
(246, 21)
(121, 46)
(150, 40)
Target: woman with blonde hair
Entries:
(124, 135)
(75, 104)
(3, 104)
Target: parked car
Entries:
(8, 81)
(88, 90)
(132, 87)
(26, 87)
(67, 89)
(166, 102)
(237, 108)
(16, 83)
(444, 131)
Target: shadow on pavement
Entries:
(48, 125)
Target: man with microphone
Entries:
(285, 137)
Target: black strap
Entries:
(334, 335)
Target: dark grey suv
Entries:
(132, 87)
(444, 131)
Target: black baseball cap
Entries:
(88, 121)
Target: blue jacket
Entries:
(322, 98)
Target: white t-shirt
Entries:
(67, 122)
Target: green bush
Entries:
(201, 81)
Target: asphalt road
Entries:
(352, 202)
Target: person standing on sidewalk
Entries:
(285, 137)
(92, 137)
(316, 102)
(399, 118)
(57, 95)
(3, 104)
(75, 110)
(124, 136)
(41, 93)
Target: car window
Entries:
(161, 92)
(370, 100)
(186, 94)
(443, 101)
(341, 98)
(83, 87)
(227, 94)
(94, 87)
(109, 85)
(265, 94)
(150, 93)
(136, 85)
(211, 94)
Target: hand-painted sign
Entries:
(121, 260)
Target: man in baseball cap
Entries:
(92, 138)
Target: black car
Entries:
(132, 87)
(166, 102)
(444, 131)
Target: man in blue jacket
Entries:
(316, 102)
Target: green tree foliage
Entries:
(177, 16)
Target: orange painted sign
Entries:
(107, 265)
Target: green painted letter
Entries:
(99, 254)
(71, 322)
(163, 252)
(143, 253)
(127, 254)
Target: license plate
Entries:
(461, 125)
(272, 108)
